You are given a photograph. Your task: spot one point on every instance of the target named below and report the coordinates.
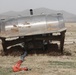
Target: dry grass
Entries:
(42, 64)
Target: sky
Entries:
(20, 5)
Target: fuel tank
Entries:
(32, 25)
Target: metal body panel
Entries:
(32, 25)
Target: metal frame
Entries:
(35, 38)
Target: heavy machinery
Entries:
(33, 29)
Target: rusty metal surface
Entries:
(32, 25)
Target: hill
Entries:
(68, 17)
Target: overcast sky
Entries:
(20, 5)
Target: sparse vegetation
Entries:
(5, 71)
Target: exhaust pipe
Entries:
(31, 11)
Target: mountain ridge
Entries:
(68, 17)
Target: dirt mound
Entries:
(13, 51)
(51, 49)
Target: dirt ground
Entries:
(52, 63)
